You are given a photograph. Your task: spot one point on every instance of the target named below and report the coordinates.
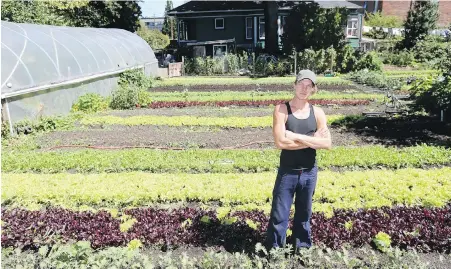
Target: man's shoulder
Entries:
(317, 109)
(282, 108)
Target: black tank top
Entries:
(301, 158)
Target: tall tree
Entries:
(309, 26)
(169, 27)
(271, 27)
(421, 18)
(154, 38)
(107, 14)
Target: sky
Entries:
(151, 8)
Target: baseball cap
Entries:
(303, 74)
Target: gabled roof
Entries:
(237, 6)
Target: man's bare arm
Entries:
(280, 139)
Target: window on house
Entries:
(249, 22)
(219, 50)
(352, 27)
(219, 23)
(261, 27)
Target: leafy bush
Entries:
(434, 93)
(124, 97)
(379, 20)
(136, 77)
(377, 33)
(370, 61)
(429, 51)
(398, 58)
(132, 90)
(318, 61)
(346, 59)
(232, 63)
(90, 103)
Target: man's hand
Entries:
(323, 132)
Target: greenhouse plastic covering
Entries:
(43, 57)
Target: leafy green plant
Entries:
(90, 103)
(132, 90)
(137, 78)
(382, 241)
(126, 223)
(134, 244)
(125, 97)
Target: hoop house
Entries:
(46, 68)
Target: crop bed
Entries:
(197, 171)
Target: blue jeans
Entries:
(289, 182)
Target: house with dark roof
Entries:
(216, 27)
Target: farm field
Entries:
(189, 180)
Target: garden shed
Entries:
(44, 68)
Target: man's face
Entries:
(303, 89)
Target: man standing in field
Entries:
(299, 129)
